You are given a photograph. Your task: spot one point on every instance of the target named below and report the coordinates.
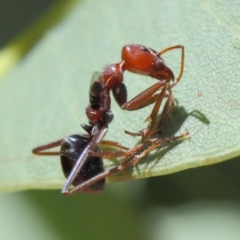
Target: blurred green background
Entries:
(200, 203)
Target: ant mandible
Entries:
(137, 59)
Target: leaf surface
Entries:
(44, 97)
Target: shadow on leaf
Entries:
(171, 125)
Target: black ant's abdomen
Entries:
(71, 149)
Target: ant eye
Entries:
(144, 49)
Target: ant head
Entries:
(163, 73)
(145, 61)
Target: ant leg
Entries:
(133, 134)
(126, 164)
(106, 173)
(144, 98)
(156, 127)
(156, 142)
(182, 61)
(113, 144)
(168, 108)
(107, 154)
(91, 181)
(129, 152)
(38, 150)
(153, 116)
(110, 154)
(96, 139)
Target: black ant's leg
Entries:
(152, 144)
(39, 150)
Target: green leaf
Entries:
(44, 97)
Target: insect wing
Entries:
(95, 91)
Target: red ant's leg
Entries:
(144, 98)
(182, 61)
(156, 142)
(153, 116)
(155, 128)
(38, 150)
(167, 110)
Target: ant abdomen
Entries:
(71, 149)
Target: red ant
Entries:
(80, 156)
